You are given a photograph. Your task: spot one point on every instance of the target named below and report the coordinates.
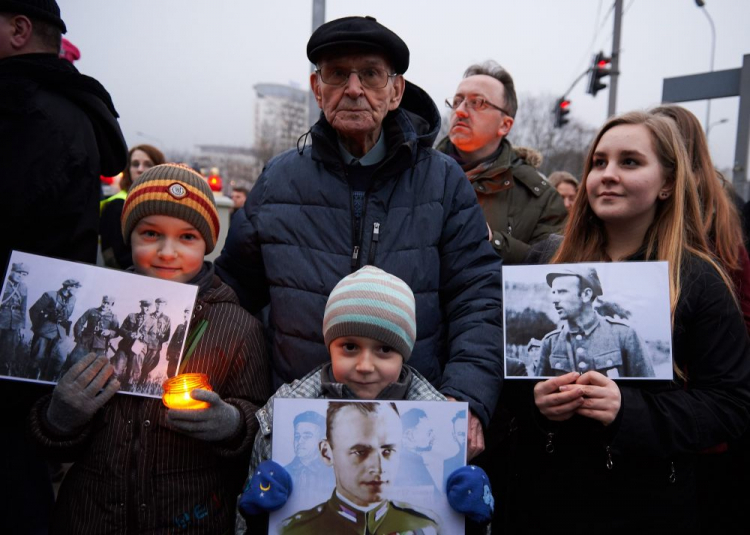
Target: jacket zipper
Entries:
(356, 261)
(374, 243)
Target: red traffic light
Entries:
(564, 104)
(215, 182)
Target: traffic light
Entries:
(214, 180)
(599, 69)
(562, 108)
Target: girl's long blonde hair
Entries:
(677, 228)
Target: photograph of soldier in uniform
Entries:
(56, 312)
(131, 350)
(311, 476)
(363, 443)
(92, 332)
(573, 324)
(157, 332)
(50, 323)
(12, 316)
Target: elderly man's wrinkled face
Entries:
(356, 111)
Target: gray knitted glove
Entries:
(81, 392)
(218, 422)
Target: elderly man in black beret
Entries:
(364, 187)
(587, 341)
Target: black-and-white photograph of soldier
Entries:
(310, 475)
(93, 332)
(50, 323)
(129, 355)
(156, 334)
(610, 317)
(174, 349)
(586, 341)
(44, 333)
(12, 316)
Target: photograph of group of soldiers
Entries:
(570, 323)
(403, 453)
(47, 326)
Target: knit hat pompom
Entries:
(173, 190)
(373, 304)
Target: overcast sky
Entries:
(181, 72)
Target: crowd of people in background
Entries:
(365, 264)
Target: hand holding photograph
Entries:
(611, 317)
(54, 312)
(368, 466)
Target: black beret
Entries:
(365, 32)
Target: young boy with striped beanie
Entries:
(369, 327)
(138, 465)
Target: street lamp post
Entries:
(709, 127)
(702, 4)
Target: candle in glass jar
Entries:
(177, 391)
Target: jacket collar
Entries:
(335, 390)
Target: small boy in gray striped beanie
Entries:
(373, 304)
(369, 328)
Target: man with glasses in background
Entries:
(364, 187)
(520, 206)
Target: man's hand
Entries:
(474, 435)
(559, 398)
(82, 391)
(218, 422)
(601, 397)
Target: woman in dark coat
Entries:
(598, 456)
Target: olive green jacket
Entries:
(520, 206)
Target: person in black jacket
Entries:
(58, 134)
(371, 191)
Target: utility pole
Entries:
(318, 18)
(615, 60)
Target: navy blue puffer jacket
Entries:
(294, 241)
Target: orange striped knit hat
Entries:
(173, 190)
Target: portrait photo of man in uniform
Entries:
(363, 444)
(311, 476)
(621, 331)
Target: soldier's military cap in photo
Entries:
(55, 312)
(613, 318)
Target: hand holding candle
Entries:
(218, 421)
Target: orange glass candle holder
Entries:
(177, 391)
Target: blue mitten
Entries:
(469, 492)
(267, 490)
